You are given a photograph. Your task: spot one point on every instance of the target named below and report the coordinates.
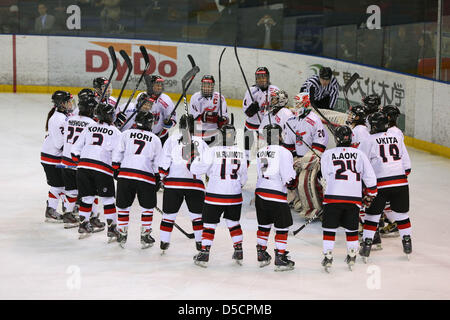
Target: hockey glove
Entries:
(252, 109)
(210, 117)
(121, 118)
(222, 121)
(158, 183)
(367, 201)
(167, 124)
(292, 185)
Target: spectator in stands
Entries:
(155, 15)
(110, 15)
(44, 23)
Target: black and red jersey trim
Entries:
(341, 199)
(318, 147)
(128, 173)
(268, 194)
(184, 183)
(68, 162)
(95, 165)
(162, 171)
(223, 199)
(50, 159)
(392, 181)
(251, 126)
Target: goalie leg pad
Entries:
(309, 190)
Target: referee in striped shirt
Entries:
(323, 89)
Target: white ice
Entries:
(44, 261)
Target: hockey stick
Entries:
(318, 215)
(112, 53)
(347, 86)
(220, 87)
(147, 65)
(301, 138)
(189, 235)
(243, 75)
(130, 68)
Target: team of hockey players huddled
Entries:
(98, 150)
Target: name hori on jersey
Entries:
(387, 140)
(229, 154)
(342, 156)
(140, 136)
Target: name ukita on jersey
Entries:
(386, 140)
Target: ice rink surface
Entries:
(44, 261)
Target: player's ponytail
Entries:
(50, 113)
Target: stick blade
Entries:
(126, 58)
(352, 80)
(144, 54)
(112, 53)
(191, 60)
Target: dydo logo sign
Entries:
(98, 60)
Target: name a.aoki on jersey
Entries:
(229, 154)
(346, 156)
(387, 140)
(101, 130)
(78, 123)
(140, 136)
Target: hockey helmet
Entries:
(99, 85)
(343, 136)
(278, 99)
(302, 104)
(273, 134)
(378, 122)
(62, 100)
(155, 85)
(392, 113)
(207, 86)
(86, 102)
(144, 120)
(105, 112)
(372, 103)
(144, 100)
(262, 78)
(325, 73)
(356, 115)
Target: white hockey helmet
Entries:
(301, 103)
(278, 99)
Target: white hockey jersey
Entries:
(172, 166)
(359, 133)
(52, 147)
(274, 165)
(111, 100)
(389, 158)
(227, 171)
(263, 99)
(93, 149)
(310, 129)
(280, 118)
(345, 169)
(73, 127)
(137, 155)
(130, 112)
(199, 104)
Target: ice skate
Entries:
(52, 216)
(112, 232)
(376, 243)
(351, 258)
(238, 254)
(122, 236)
(201, 259)
(327, 260)
(97, 225)
(407, 245)
(366, 246)
(264, 257)
(70, 220)
(146, 239)
(84, 229)
(282, 262)
(164, 246)
(389, 231)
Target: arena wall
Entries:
(44, 63)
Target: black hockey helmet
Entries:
(60, 99)
(273, 134)
(99, 82)
(356, 115)
(372, 102)
(144, 120)
(262, 78)
(343, 136)
(187, 123)
(105, 112)
(86, 102)
(144, 98)
(228, 134)
(392, 113)
(207, 87)
(325, 73)
(378, 122)
(155, 85)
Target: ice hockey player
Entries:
(344, 169)
(225, 166)
(390, 160)
(306, 138)
(136, 160)
(277, 111)
(126, 119)
(204, 106)
(99, 85)
(92, 152)
(275, 174)
(323, 89)
(51, 152)
(372, 102)
(73, 127)
(179, 183)
(254, 105)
